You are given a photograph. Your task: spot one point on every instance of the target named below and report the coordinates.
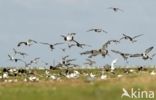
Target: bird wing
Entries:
(126, 36)
(20, 43)
(58, 43)
(137, 36)
(9, 56)
(90, 30)
(116, 51)
(104, 46)
(136, 55)
(30, 40)
(148, 50)
(44, 43)
(86, 52)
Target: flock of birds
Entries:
(67, 62)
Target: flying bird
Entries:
(29, 42)
(145, 55)
(20, 53)
(69, 37)
(97, 30)
(51, 45)
(11, 58)
(132, 39)
(124, 55)
(115, 9)
(79, 45)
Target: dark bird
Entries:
(27, 43)
(145, 55)
(97, 30)
(51, 45)
(124, 55)
(132, 39)
(115, 9)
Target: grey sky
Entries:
(46, 20)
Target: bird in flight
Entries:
(29, 42)
(132, 39)
(69, 37)
(51, 45)
(145, 55)
(115, 9)
(20, 53)
(97, 30)
(124, 55)
(11, 58)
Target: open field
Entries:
(78, 88)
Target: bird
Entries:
(69, 37)
(51, 45)
(145, 55)
(124, 55)
(20, 53)
(26, 43)
(132, 39)
(115, 9)
(89, 62)
(78, 45)
(112, 64)
(97, 30)
(11, 58)
(35, 60)
(103, 52)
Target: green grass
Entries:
(77, 89)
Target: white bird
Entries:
(103, 76)
(153, 73)
(112, 64)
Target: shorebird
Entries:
(115, 9)
(97, 30)
(132, 39)
(27, 43)
(20, 53)
(124, 55)
(145, 55)
(51, 45)
(11, 58)
(89, 62)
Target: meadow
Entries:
(78, 88)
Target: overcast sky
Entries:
(46, 20)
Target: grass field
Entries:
(78, 89)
